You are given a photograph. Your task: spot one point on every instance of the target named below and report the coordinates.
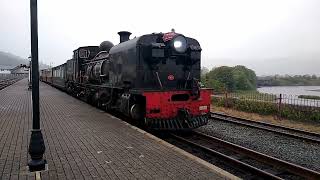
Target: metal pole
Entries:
(36, 146)
(280, 104)
(29, 75)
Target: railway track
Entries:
(282, 130)
(8, 81)
(243, 162)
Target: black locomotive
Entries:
(153, 78)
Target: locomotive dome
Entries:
(106, 46)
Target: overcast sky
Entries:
(269, 36)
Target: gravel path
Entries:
(290, 149)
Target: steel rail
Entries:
(262, 158)
(8, 82)
(292, 132)
(229, 159)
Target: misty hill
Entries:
(8, 59)
(11, 60)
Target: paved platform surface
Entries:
(83, 142)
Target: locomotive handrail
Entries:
(98, 58)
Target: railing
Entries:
(282, 105)
(275, 98)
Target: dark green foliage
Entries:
(221, 78)
(270, 108)
(215, 84)
(230, 79)
(253, 95)
(300, 113)
(245, 79)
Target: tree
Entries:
(230, 78)
(223, 78)
(245, 79)
(314, 76)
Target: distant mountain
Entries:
(11, 60)
(8, 59)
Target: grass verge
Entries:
(303, 125)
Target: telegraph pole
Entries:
(36, 146)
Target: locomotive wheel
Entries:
(99, 104)
(89, 99)
(95, 100)
(104, 101)
(69, 90)
(136, 112)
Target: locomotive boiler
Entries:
(154, 79)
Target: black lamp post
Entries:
(36, 146)
(29, 75)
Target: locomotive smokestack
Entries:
(124, 36)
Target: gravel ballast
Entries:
(290, 149)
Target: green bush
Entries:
(269, 108)
(309, 97)
(225, 78)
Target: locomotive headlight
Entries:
(180, 44)
(177, 44)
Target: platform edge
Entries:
(212, 167)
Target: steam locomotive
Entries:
(154, 79)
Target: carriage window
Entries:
(84, 53)
(119, 68)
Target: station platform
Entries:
(83, 142)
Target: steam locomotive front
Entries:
(171, 61)
(170, 79)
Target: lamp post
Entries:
(36, 146)
(29, 75)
